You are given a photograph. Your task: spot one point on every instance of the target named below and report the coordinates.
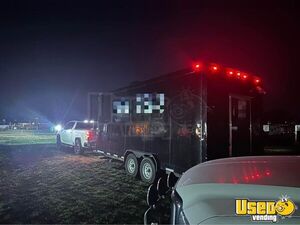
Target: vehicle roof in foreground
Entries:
(256, 170)
(209, 190)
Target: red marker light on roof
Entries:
(197, 67)
(229, 72)
(214, 68)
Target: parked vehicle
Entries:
(239, 190)
(4, 127)
(173, 122)
(79, 135)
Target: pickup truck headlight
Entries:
(58, 127)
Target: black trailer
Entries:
(175, 121)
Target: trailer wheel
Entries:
(147, 170)
(131, 165)
(58, 143)
(78, 147)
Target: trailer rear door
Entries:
(240, 134)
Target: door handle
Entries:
(234, 128)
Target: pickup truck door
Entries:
(66, 133)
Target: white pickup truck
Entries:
(79, 135)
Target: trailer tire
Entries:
(148, 170)
(131, 165)
(78, 147)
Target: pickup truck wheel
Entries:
(147, 170)
(58, 143)
(131, 165)
(78, 147)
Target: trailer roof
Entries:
(138, 84)
(196, 68)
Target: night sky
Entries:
(52, 53)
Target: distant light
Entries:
(85, 121)
(257, 81)
(197, 66)
(230, 72)
(58, 127)
(92, 121)
(215, 68)
(238, 73)
(245, 76)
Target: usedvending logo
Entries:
(265, 210)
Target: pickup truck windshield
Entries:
(84, 126)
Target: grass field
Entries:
(43, 185)
(21, 137)
(39, 184)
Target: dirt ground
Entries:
(39, 184)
